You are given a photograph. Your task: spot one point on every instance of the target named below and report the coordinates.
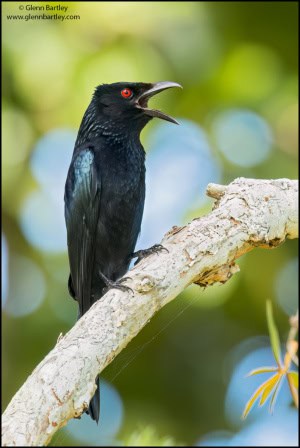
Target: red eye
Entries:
(126, 93)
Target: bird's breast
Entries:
(122, 172)
(122, 193)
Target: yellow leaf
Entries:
(255, 396)
(269, 387)
(262, 370)
(294, 378)
(274, 396)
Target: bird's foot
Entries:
(110, 284)
(140, 254)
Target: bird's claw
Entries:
(158, 247)
(117, 285)
(124, 279)
(140, 254)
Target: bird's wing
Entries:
(82, 206)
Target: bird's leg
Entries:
(140, 254)
(114, 284)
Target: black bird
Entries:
(105, 192)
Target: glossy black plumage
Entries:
(105, 191)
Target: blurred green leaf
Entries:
(148, 436)
(274, 337)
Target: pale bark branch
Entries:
(248, 213)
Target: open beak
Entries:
(154, 89)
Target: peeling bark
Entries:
(248, 213)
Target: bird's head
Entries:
(124, 101)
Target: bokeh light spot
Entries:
(42, 222)
(280, 429)
(26, 287)
(51, 159)
(45, 66)
(180, 164)
(243, 137)
(15, 145)
(111, 416)
(250, 73)
(42, 213)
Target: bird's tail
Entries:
(94, 407)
